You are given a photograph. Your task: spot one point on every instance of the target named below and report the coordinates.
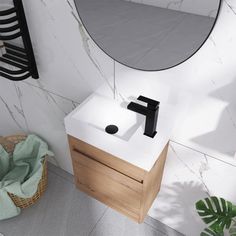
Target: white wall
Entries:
(199, 7)
(71, 67)
(206, 84)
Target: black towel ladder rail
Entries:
(21, 58)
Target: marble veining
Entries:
(20, 109)
(231, 6)
(200, 7)
(11, 113)
(199, 175)
(86, 44)
(36, 111)
(188, 177)
(67, 49)
(205, 84)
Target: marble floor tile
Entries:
(62, 211)
(161, 227)
(154, 224)
(60, 172)
(114, 224)
(66, 211)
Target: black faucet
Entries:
(150, 111)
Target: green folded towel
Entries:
(21, 173)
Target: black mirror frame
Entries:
(213, 26)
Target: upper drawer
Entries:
(107, 159)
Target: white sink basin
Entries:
(89, 120)
(99, 112)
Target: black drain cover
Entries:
(111, 129)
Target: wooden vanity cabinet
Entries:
(115, 182)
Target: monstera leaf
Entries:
(217, 213)
(232, 230)
(210, 232)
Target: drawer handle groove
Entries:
(79, 152)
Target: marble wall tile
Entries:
(71, 67)
(12, 116)
(29, 109)
(212, 107)
(204, 87)
(69, 62)
(188, 177)
(45, 114)
(199, 7)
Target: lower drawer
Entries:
(107, 185)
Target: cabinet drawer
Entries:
(115, 182)
(107, 159)
(106, 184)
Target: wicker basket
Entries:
(9, 144)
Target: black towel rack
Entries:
(21, 59)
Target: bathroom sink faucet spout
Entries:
(150, 111)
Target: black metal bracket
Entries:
(22, 59)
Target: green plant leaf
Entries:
(232, 230)
(217, 213)
(210, 232)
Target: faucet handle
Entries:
(152, 104)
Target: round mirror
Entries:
(149, 35)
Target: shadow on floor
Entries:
(180, 211)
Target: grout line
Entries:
(192, 171)
(153, 227)
(56, 171)
(71, 182)
(68, 99)
(56, 94)
(163, 225)
(64, 178)
(98, 221)
(216, 158)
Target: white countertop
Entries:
(137, 148)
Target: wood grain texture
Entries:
(97, 167)
(105, 184)
(115, 182)
(109, 202)
(107, 159)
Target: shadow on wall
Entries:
(223, 138)
(176, 207)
